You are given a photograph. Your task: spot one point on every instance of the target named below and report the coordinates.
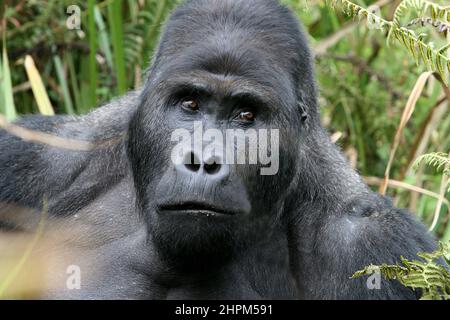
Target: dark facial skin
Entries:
(140, 226)
(238, 201)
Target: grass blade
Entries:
(407, 113)
(103, 39)
(40, 94)
(74, 82)
(115, 21)
(62, 78)
(92, 54)
(8, 108)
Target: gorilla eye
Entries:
(247, 116)
(190, 104)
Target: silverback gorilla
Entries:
(143, 227)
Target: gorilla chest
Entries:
(261, 273)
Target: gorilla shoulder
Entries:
(365, 230)
(375, 219)
(30, 171)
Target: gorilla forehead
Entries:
(226, 74)
(236, 36)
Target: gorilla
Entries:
(140, 225)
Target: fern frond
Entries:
(422, 8)
(434, 59)
(139, 35)
(439, 160)
(440, 26)
(135, 34)
(428, 275)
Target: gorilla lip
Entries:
(196, 208)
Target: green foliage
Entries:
(141, 35)
(87, 67)
(435, 59)
(430, 275)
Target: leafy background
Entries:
(365, 80)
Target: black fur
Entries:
(302, 233)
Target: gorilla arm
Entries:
(90, 213)
(342, 226)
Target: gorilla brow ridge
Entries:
(234, 87)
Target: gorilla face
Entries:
(225, 77)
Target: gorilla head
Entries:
(226, 65)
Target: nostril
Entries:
(191, 162)
(212, 167)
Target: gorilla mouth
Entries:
(197, 208)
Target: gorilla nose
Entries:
(210, 165)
